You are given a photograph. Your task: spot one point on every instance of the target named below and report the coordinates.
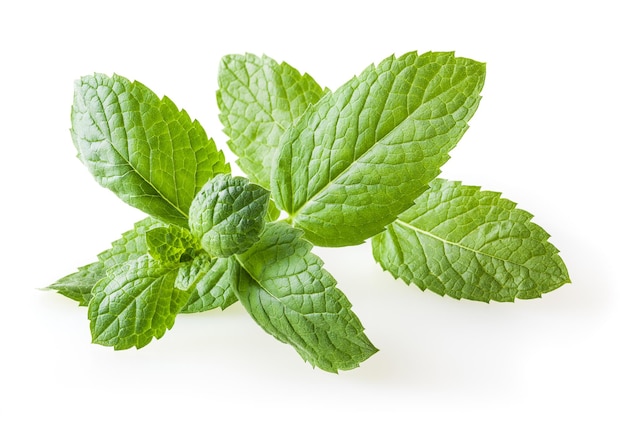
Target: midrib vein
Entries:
(448, 242)
(128, 160)
(318, 193)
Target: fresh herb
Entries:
(343, 167)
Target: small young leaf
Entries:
(130, 246)
(171, 244)
(138, 301)
(361, 155)
(214, 281)
(143, 148)
(228, 214)
(291, 296)
(466, 243)
(258, 98)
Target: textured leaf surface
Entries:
(258, 99)
(171, 244)
(131, 245)
(228, 214)
(466, 243)
(147, 151)
(136, 303)
(361, 155)
(292, 297)
(214, 281)
(273, 213)
(77, 286)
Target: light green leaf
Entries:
(228, 214)
(130, 246)
(136, 303)
(141, 147)
(212, 277)
(171, 244)
(361, 155)
(273, 213)
(77, 286)
(259, 98)
(214, 280)
(291, 296)
(466, 243)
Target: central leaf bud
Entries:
(228, 215)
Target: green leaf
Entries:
(466, 243)
(361, 155)
(136, 303)
(171, 244)
(228, 214)
(214, 281)
(144, 149)
(130, 246)
(291, 296)
(273, 213)
(77, 286)
(259, 98)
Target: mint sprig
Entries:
(324, 168)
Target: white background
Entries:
(548, 134)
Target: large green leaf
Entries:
(147, 151)
(137, 302)
(291, 296)
(361, 155)
(466, 243)
(258, 99)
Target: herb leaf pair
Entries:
(360, 156)
(345, 166)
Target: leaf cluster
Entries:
(326, 168)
